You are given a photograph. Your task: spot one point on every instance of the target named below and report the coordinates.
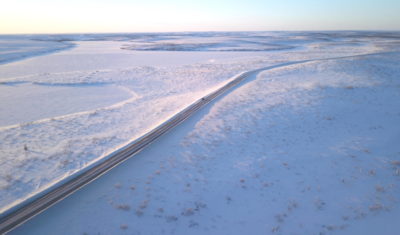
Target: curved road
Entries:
(17, 216)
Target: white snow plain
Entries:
(17, 47)
(306, 148)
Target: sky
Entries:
(91, 16)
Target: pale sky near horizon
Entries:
(80, 16)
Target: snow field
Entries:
(304, 149)
(306, 142)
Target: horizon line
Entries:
(209, 31)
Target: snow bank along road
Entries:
(30, 208)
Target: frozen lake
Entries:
(25, 102)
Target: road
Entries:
(12, 219)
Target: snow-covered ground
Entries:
(17, 47)
(300, 149)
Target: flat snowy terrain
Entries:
(306, 148)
